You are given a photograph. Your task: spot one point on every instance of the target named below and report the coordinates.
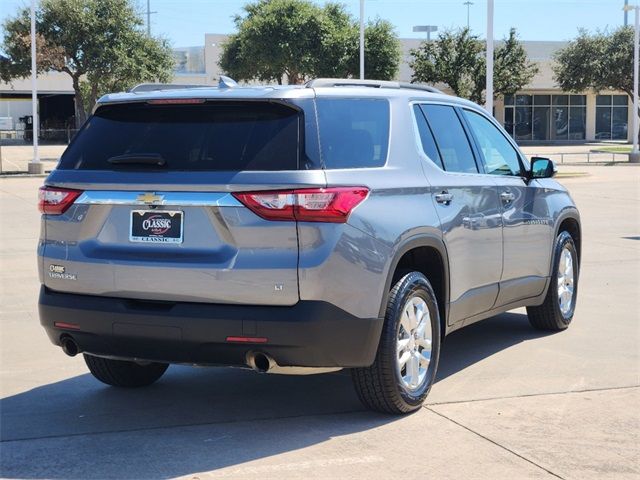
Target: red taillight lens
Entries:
(333, 204)
(54, 201)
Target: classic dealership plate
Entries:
(156, 226)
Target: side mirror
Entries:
(542, 168)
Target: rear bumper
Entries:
(308, 334)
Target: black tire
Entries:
(379, 386)
(549, 316)
(122, 373)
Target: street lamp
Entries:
(635, 154)
(468, 3)
(426, 28)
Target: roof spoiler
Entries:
(155, 87)
(348, 82)
(225, 82)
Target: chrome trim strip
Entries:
(182, 199)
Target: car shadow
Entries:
(478, 341)
(201, 419)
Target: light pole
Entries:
(635, 154)
(468, 3)
(426, 28)
(361, 39)
(149, 12)
(489, 86)
(34, 165)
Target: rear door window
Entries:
(451, 138)
(354, 132)
(209, 136)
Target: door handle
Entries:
(507, 196)
(444, 197)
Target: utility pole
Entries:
(361, 39)
(468, 3)
(626, 13)
(34, 166)
(489, 87)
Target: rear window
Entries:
(212, 136)
(354, 133)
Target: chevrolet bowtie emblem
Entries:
(150, 198)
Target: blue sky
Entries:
(185, 22)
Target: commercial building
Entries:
(540, 113)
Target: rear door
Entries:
(156, 218)
(469, 209)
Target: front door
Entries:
(527, 223)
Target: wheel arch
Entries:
(569, 221)
(426, 254)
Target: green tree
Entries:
(598, 61)
(297, 40)
(100, 44)
(381, 51)
(458, 59)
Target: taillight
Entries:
(333, 204)
(54, 201)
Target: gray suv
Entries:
(339, 224)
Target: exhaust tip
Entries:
(260, 362)
(69, 346)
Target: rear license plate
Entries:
(156, 226)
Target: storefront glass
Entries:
(545, 117)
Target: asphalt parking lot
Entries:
(510, 402)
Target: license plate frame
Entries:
(137, 231)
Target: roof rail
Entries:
(349, 82)
(153, 87)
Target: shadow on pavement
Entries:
(201, 419)
(480, 340)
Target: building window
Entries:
(545, 117)
(612, 114)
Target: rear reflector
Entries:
(333, 204)
(68, 326)
(247, 340)
(54, 201)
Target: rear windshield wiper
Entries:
(138, 159)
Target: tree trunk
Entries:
(93, 96)
(81, 114)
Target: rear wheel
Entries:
(407, 358)
(559, 305)
(123, 373)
